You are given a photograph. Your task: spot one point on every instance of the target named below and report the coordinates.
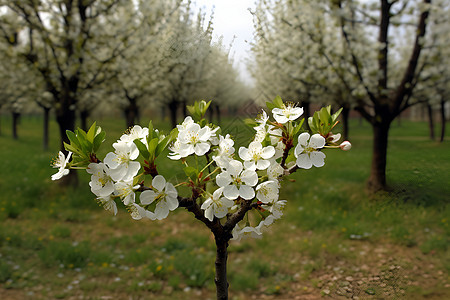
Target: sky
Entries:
(232, 19)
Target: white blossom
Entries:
(108, 203)
(165, 195)
(306, 151)
(101, 183)
(194, 139)
(267, 192)
(125, 190)
(216, 205)
(61, 162)
(286, 114)
(225, 151)
(120, 163)
(237, 182)
(136, 132)
(256, 156)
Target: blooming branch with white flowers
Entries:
(235, 194)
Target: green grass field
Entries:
(333, 242)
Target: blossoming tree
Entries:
(234, 193)
(362, 44)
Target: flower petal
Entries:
(231, 192)
(303, 161)
(147, 197)
(246, 192)
(159, 183)
(317, 141)
(223, 179)
(317, 158)
(303, 139)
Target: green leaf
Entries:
(70, 148)
(191, 172)
(98, 140)
(162, 145)
(278, 102)
(142, 149)
(91, 133)
(270, 105)
(150, 131)
(152, 145)
(73, 138)
(251, 122)
(336, 115)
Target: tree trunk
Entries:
(15, 121)
(84, 114)
(66, 121)
(131, 112)
(45, 137)
(218, 114)
(221, 268)
(173, 107)
(377, 178)
(443, 121)
(345, 114)
(430, 121)
(185, 113)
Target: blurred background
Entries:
(372, 223)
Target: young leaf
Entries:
(142, 149)
(73, 138)
(98, 140)
(91, 133)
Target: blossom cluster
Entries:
(249, 176)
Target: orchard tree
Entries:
(286, 60)
(137, 72)
(186, 47)
(366, 67)
(69, 43)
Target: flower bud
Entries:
(345, 145)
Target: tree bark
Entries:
(218, 114)
(131, 111)
(84, 114)
(377, 178)
(173, 107)
(345, 114)
(45, 135)
(65, 118)
(15, 121)
(221, 268)
(430, 121)
(443, 121)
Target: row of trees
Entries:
(72, 55)
(377, 57)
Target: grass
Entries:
(334, 240)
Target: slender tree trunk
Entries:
(66, 120)
(173, 107)
(185, 114)
(221, 268)
(211, 114)
(430, 121)
(15, 121)
(377, 178)
(46, 128)
(443, 121)
(131, 112)
(345, 114)
(218, 114)
(84, 114)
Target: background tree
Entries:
(380, 90)
(66, 45)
